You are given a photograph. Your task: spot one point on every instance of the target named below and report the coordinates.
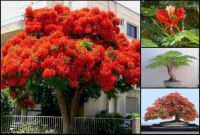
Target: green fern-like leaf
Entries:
(148, 43)
(151, 28)
(185, 38)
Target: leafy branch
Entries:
(184, 38)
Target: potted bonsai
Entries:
(172, 105)
(170, 60)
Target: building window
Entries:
(121, 21)
(131, 30)
(131, 104)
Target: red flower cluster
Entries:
(92, 23)
(71, 45)
(170, 17)
(45, 20)
(82, 23)
(172, 105)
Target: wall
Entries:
(134, 97)
(128, 102)
(95, 105)
(155, 77)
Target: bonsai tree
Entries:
(170, 60)
(77, 53)
(172, 105)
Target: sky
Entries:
(13, 10)
(148, 96)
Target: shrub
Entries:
(6, 104)
(105, 114)
(32, 128)
(133, 115)
(6, 109)
(111, 126)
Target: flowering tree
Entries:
(172, 105)
(76, 53)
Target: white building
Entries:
(129, 25)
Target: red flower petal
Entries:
(180, 13)
(162, 16)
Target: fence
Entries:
(17, 123)
(87, 125)
(82, 125)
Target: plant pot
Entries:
(172, 84)
(174, 124)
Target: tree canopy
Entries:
(170, 58)
(66, 50)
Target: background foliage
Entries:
(6, 104)
(6, 108)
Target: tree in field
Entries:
(170, 60)
(76, 53)
(172, 105)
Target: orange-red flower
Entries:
(48, 73)
(170, 16)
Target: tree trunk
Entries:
(64, 112)
(24, 112)
(68, 114)
(177, 118)
(171, 74)
(74, 107)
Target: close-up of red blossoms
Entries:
(83, 44)
(170, 16)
